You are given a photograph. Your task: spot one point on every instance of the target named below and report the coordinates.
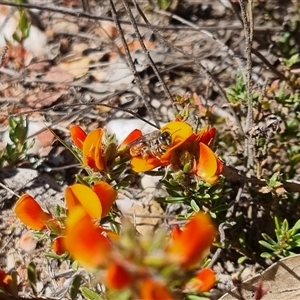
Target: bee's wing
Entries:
(140, 140)
(145, 138)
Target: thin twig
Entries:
(205, 32)
(269, 65)
(146, 52)
(234, 175)
(131, 63)
(80, 14)
(248, 30)
(58, 106)
(202, 67)
(222, 227)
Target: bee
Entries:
(154, 144)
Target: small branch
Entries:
(202, 67)
(80, 14)
(131, 64)
(146, 52)
(222, 227)
(268, 64)
(248, 29)
(234, 175)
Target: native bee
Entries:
(154, 144)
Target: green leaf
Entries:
(24, 24)
(75, 265)
(175, 199)
(194, 206)
(31, 272)
(266, 255)
(268, 239)
(296, 227)
(292, 60)
(89, 294)
(75, 286)
(194, 297)
(266, 245)
(242, 259)
(163, 4)
(172, 193)
(274, 179)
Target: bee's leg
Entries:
(144, 153)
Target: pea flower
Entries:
(203, 281)
(190, 245)
(189, 152)
(78, 135)
(86, 242)
(31, 213)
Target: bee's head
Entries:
(165, 138)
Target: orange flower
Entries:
(179, 132)
(153, 290)
(31, 213)
(81, 195)
(85, 241)
(6, 282)
(203, 281)
(92, 151)
(134, 135)
(78, 135)
(189, 151)
(58, 246)
(189, 246)
(208, 166)
(117, 277)
(97, 201)
(106, 194)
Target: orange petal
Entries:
(6, 282)
(207, 135)
(189, 247)
(153, 290)
(180, 132)
(114, 237)
(117, 277)
(140, 164)
(31, 213)
(81, 195)
(207, 165)
(202, 282)
(176, 232)
(106, 194)
(84, 240)
(134, 135)
(78, 135)
(58, 245)
(92, 150)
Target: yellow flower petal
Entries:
(180, 132)
(30, 213)
(92, 150)
(81, 195)
(140, 164)
(84, 241)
